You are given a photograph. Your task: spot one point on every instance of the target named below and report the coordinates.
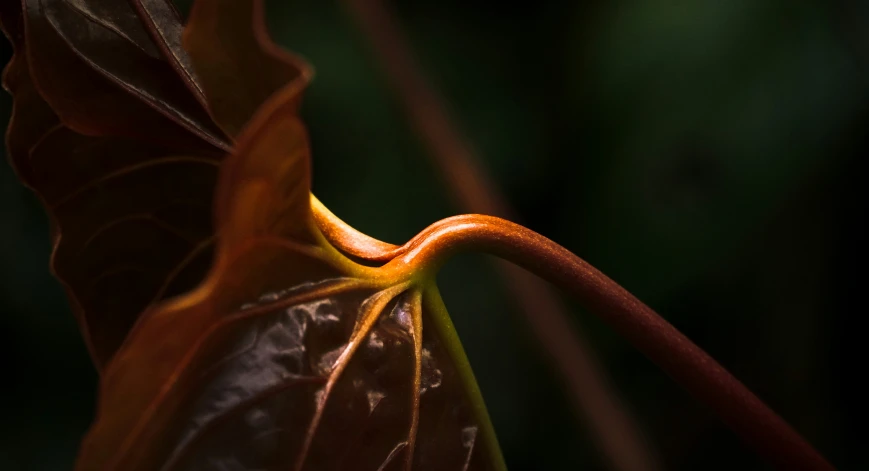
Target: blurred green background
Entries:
(710, 156)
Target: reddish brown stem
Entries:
(591, 395)
(760, 427)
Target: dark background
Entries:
(710, 156)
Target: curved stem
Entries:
(760, 427)
(347, 239)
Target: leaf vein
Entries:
(128, 170)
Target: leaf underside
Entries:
(230, 333)
(275, 384)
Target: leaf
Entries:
(289, 355)
(122, 155)
(239, 64)
(164, 25)
(275, 351)
(31, 115)
(119, 142)
(100, 83)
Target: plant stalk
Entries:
(758, 426)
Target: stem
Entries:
(761, 428)
(347, 239)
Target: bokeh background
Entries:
(709, 156)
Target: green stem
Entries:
(691, 367)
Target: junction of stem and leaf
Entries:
(228, 331)
(274, 337)
(289, 354)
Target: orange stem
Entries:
(761, 428)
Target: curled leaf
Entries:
(239, 64)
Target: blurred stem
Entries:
(759, 427)
(591, 394)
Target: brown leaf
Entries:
(100, 83)
(164, 25)
(135, 224)
(239, 64)
(289, 355)
(122, 155)
(31, 115)
(112, 130)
